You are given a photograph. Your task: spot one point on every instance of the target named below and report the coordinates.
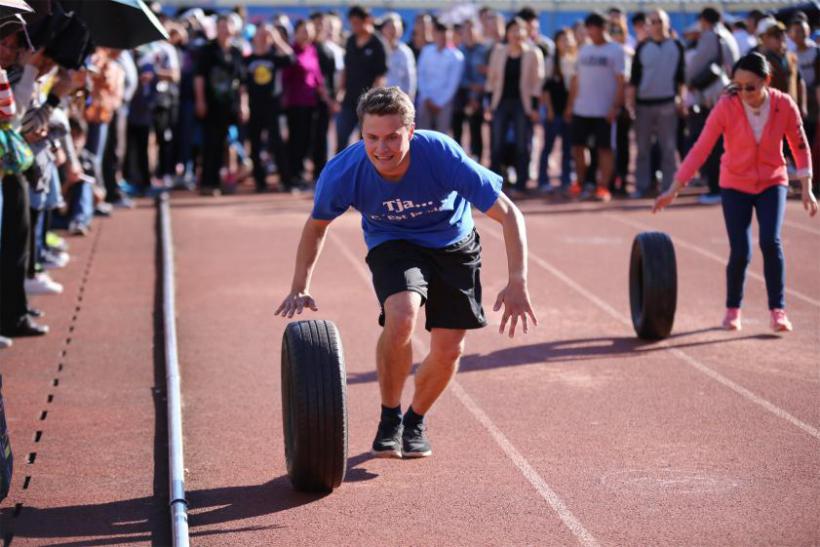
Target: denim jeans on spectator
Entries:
(558, 127)
(769, 206)
(346, 122)
(81, 203)
(510, 114)
(95, 143)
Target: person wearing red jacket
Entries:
(753, 120)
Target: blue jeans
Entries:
(81, 203)
(95, 143)
(770, 206)
(510, 115)
(558, 127)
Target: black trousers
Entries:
(264, 134)
(214, 141)
(111, 160)
(319, 140)
(164, 123)
(475, 121)
(14, 251)
(300, 129)
(711, 167)
(136, 157)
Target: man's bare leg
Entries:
(579, 154)
(606, 166)
(438, 368)
(394, 351)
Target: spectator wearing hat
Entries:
(440, 68)
(808, 58)
(785, 68)
(706, 75)
(365, 68)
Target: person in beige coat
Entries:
(514, 80)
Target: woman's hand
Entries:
(665, 200)
(809, 201)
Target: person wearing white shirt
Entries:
(440, 68)
(401, 63)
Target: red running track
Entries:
(575, 433)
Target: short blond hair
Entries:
(387, 101)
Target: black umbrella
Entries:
(10, 7)
(120, 24)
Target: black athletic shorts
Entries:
(592, 132)
(447, 279)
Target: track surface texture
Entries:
(576, 433)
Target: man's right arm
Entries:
(310, 247)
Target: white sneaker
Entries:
(55, 259)
(42, 283)
(5, 342)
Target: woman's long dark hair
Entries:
(557, 54)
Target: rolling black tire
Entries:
(314, 405)
(653, 285)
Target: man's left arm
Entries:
(515, 297)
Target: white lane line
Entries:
(527, 470)
(801, 227)
(686, 358)
(708, 254)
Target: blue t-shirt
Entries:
(429, 206)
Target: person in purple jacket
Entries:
(303, 87)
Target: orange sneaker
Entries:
(732, 319)
(575, 190)
(780, 323)
(601, 194)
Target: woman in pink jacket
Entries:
(753, 119)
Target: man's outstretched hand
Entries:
(516, 302)
(294, 303)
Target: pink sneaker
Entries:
(780, 323)
(732, 319)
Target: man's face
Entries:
(799, 32)
(595, 33)
(774, 41)
(440, 37)
(356, 25)
(224, 30)
(533, 28)
(9, 50)
(387, 143)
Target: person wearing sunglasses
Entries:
(753, 119)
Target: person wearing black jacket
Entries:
(221, 99)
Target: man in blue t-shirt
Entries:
(414, 190)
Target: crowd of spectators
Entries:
(228, 98)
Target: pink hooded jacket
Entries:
(746, 165)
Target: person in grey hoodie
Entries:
(715, 45)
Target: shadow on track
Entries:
(580, 349)
(129, 521)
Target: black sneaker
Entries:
(415, 443)
(387, 443)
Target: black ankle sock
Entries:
(391, 413)
(411, 418)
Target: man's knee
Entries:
(400, 313)
(448, 348)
